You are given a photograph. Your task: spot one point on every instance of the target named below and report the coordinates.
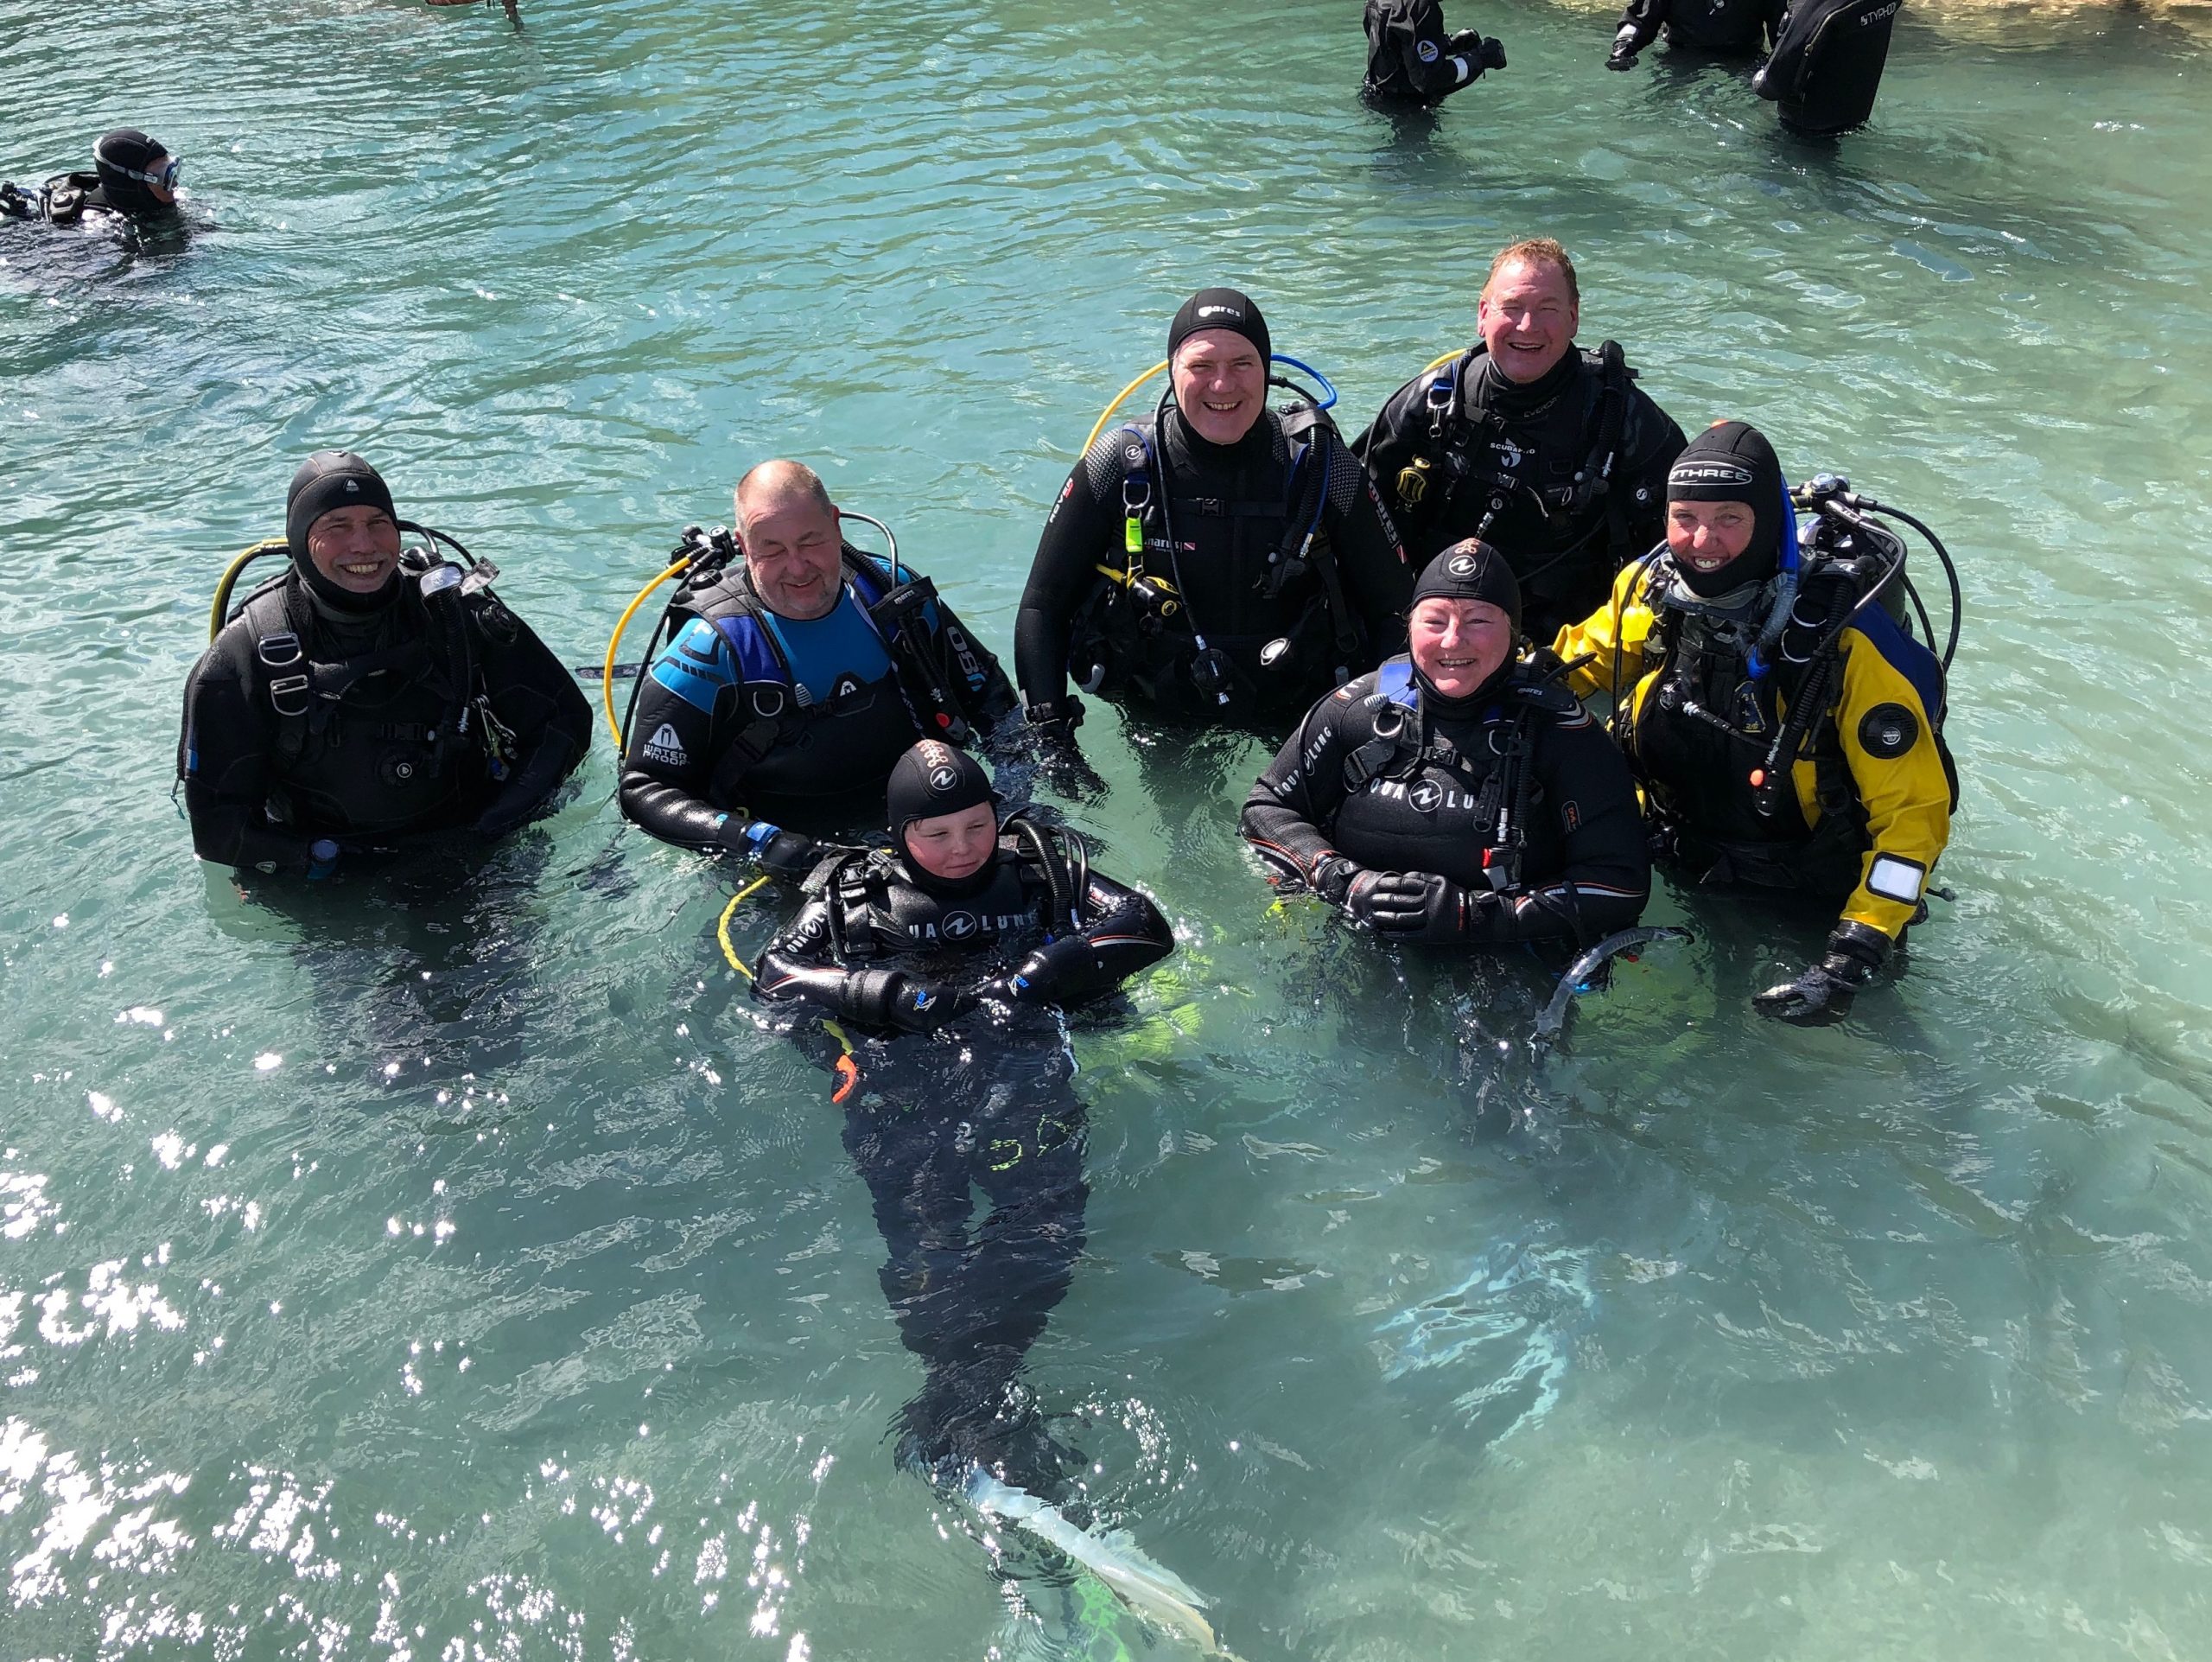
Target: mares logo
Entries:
(1221, 311)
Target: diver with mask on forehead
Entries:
(1786, 731)
(133, 183)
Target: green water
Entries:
(462, 1274)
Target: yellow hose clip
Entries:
(1133, 535)
(229, 580)
(615, 643)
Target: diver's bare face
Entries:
(1221, 384)
(792, 553)
(1705, 536)
(1526, 318)
(1459, 644)
(354, 549)
(954, 845)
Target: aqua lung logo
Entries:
(1460, 566)
(665, 748)
(1133, 455)
(957, 925)
(942, 780)
(1428, 796)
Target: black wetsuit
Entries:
(65, 198)
(1507, 454)
(988, 1108)
(1410, 60)
(1573, 861)
(1240, 514)
(745, 717)
(303, 723)
(1827, 61)
(1739, 28)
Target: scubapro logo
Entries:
(665, 748)
(957, 925)
(943, 778)
(1460, 566)
(1508, 452)
(1426, 796)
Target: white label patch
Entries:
(1426, 51)
(666, 749)
(1896, 879)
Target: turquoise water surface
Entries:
(450, 1268)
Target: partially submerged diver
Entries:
(1215, 561)
(1787, 733)
(1827, 64)
(793, 679)
(984, 930)
(370, 696)
(133, 182)
(1410, 60)
(1454, 797)
(1736, 27)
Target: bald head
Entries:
(788, 528)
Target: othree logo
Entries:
(957, 925)
(1460, 566)
(1426, 796)
(943, 778)
(1710, 473)
(665, 748)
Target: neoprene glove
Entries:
(521, 797)
(1334, 875)
(891, 998)
(1823, 993)
(1421, 906)
(785, 854)
(1490, 54)
(1625, 46)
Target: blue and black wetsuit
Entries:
(747, 716)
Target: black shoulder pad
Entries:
(1550, 697)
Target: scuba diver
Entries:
(1827, 64)
(1787, 733)
(1548, 453)
(1410, 60)
(793, 679)
(1742, 30)
(992, 927)
(133, 183)
(368, 696)
(1216, 560)
(1455, 797)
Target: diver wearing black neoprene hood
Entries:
(369, 696)
(1216, 560)
(1455, 797)
(133, 183)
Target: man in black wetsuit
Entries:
(1452, 797)
(796, 678)
(1827, 64)
(1737, 28)
(133, 183)
(965, 921)
(1548, 453)
(368, 698)
(1248, 565)
(1410, 60)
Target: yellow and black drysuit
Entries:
(1849, 799)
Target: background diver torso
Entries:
(1410, 59)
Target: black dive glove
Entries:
(891, 998)
(789, 855)
(1823, 993)
(1051, 729)
(1421, 905)
(1626, 45)
(1490, 54)
(524, 794)
(1334, 875)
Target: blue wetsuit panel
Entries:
(697, 664)
(825, 653)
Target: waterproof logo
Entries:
(1460, 566)
(665, 748)
(1710, 473)
(957, 925)
(1428, 796)
(847, 685)
(943, 778)
(352, 489)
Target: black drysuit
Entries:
(1342, 800)
(1499, 459)
(302, 722)
(1239, 515)
(1827, 61)
(1410, 60)
(1739, 28)
(988, 1108)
